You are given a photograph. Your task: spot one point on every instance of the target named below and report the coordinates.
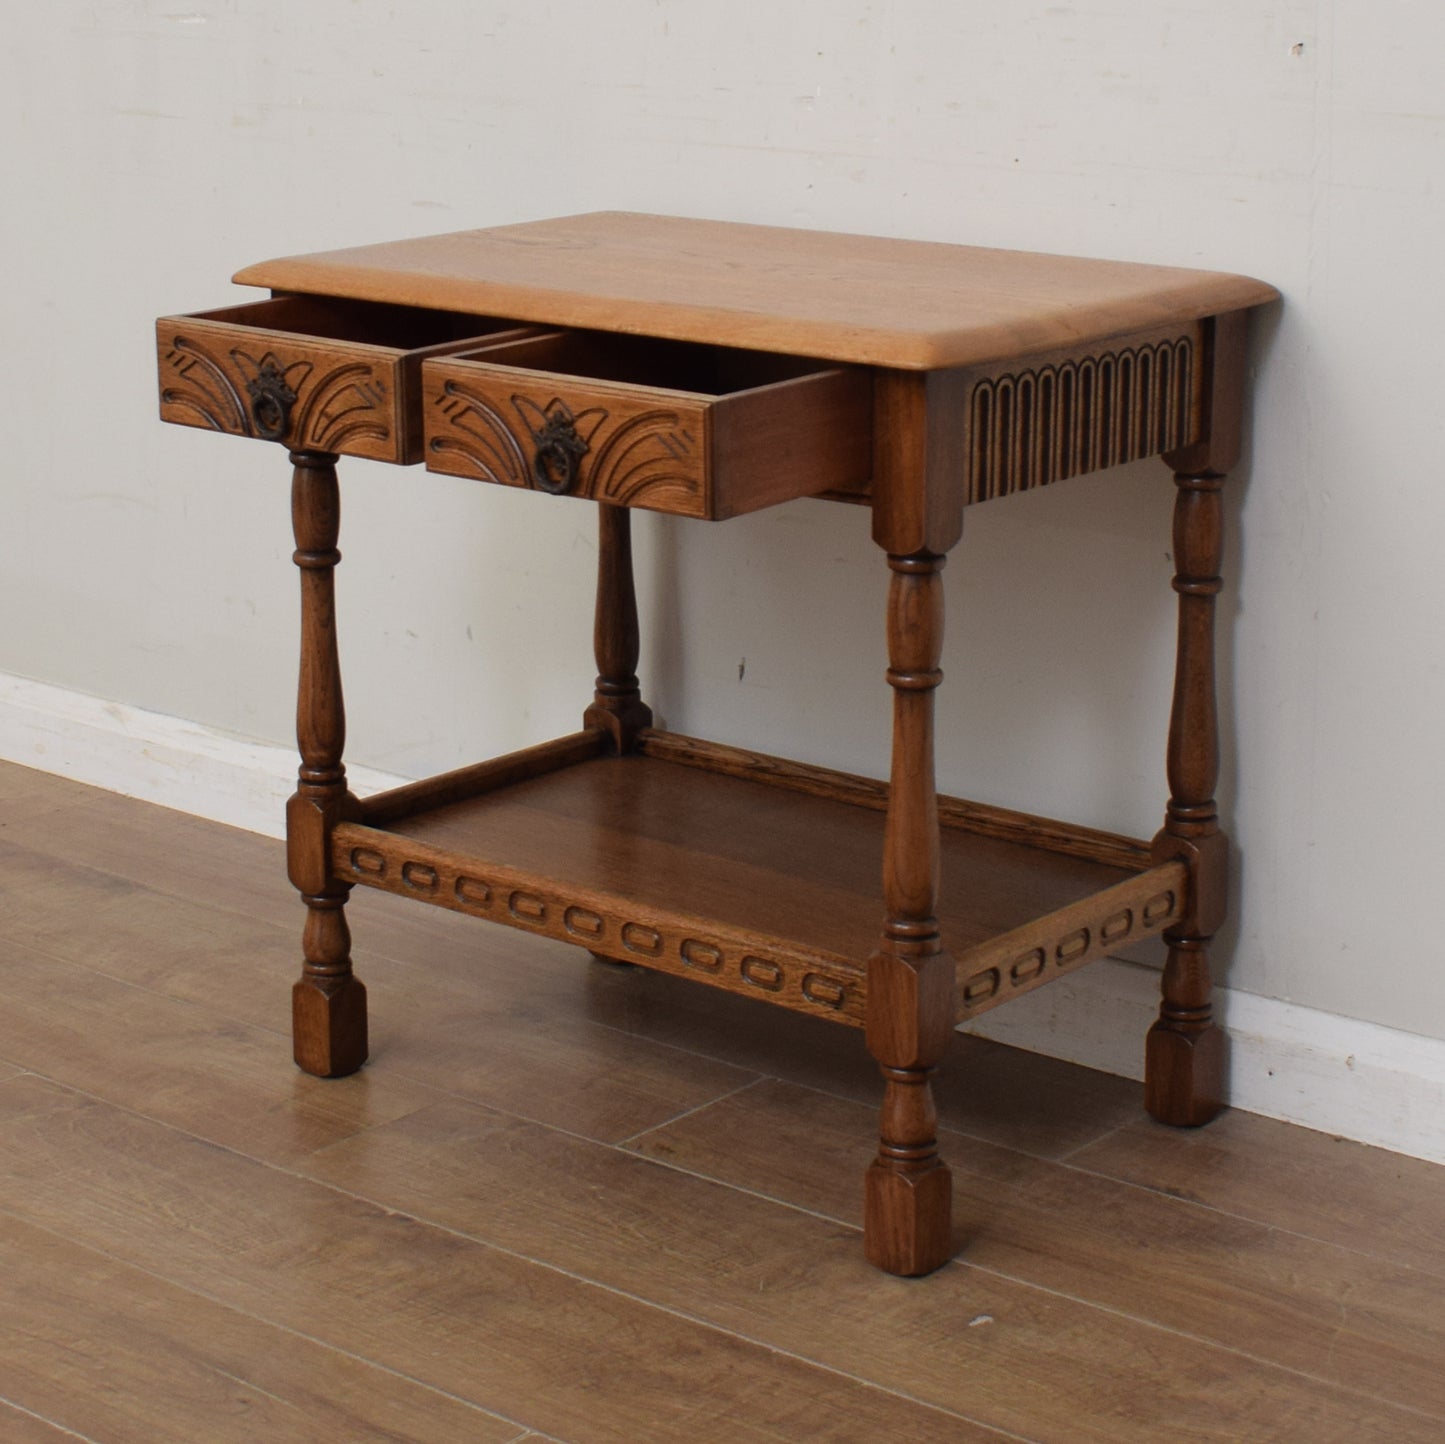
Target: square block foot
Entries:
(328, 1028)
(1184, 1075)
(907, 1219)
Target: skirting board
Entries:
(1358, 1080)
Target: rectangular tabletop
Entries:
(866, 300)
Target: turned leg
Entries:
(328, 1004)
(617, 704)
(908, 1194)
(1184, 1060)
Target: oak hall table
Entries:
(708, 369)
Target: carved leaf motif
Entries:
(647, 451)
(539, 420)
(203, 386)
(343, 406)
(477, 431)
(294, 375)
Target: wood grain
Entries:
(467, 782)
(861, 299)
(328, 1001)
(139, 1050)
(18, 1426)
(115, 1354)
(1033, 1361)
(689, 430)
(999, 822)
(572, 1358)
(1384, 1204)
(508, 1027)
(1026, 958)
(617, 706)
(712, 846)
(1326, 1311)
(610, 923)
(1298, 1299)
(352, 371)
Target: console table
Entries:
(708, 369)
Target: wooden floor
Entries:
(571, 1202)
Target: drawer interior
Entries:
(367, 323)
(646, 361)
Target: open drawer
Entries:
(704, 431)
(310, 371)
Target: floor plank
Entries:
(575, 1360)
(1385, 1204)
(223, 1081)
(1035, 1363)
(35, 789)
(1040, 1105)
(18, 1426)
(473, 1231)
(113, 1353)
(504, 1028)
(1311, 1306)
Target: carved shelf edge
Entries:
(1029, 956)
(739, 960)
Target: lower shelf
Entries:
(748, 872)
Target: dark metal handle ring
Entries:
(271, 403)
(554, 467)
(559, 449)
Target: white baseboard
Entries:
(1355, 1079)
(1340, 1075)
(156, 758)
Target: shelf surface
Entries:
(866, 300)
(754, 857)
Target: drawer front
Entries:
(503, 419)
(260, 370)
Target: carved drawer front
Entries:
(308, 371)
(702, 431)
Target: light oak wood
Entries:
(629, 421)
(311, 373)
(860, 299)
(699, 373)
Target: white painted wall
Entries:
(150, 149)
